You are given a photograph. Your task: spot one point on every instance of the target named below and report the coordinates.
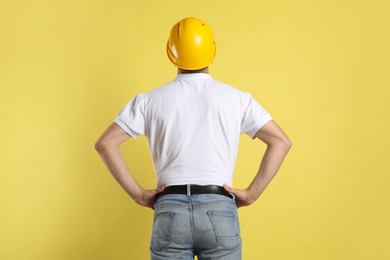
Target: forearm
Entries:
(269, 166)
(114, 161)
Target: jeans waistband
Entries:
(194, 189)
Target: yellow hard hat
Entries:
(191, 44)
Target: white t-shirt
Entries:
(193, 124)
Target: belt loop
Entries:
(188, 190)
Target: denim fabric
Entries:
(205, 225)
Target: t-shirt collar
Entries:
(192, 76)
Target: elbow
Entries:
(287, 143)
(100, 146)
(284, 144)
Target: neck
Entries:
(204, 70)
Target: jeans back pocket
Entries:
(226, 228)
(161, 234)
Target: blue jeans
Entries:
(205, 225)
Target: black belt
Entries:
(194, 189)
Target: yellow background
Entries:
(320, 67)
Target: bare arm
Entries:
(278, 145)
(108, 148)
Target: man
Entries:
(193, 124)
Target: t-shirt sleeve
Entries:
(132, 117)
(254, 116)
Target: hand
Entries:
(243, 196)
(146, 197)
